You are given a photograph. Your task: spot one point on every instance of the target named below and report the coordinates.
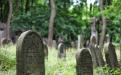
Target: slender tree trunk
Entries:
(103, 27)
(17, 6)
(51, 22)
(27, 6)
(8, 20)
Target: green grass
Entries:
(7, 59)
(53, 65)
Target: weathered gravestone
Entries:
(4, 41)
(93, 41)
(45, 48)
(73, 44)
(84, 64)
(54, 44)
(30, 54)
(2, 35)
(61, 50)
(93, 50)
(99, 55)
(2, 31)
(110, 54)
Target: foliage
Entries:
(72, 17)
(66, 25)
(7, 57)
(114, 71)
(35, 19)
(113, 14)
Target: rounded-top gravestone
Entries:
(61, 50)
(4, 41)
(84, 62)
(30, 54)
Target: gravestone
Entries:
(61, 50)
(110, 55)
(4, 41)
(2, 34)
(99, 55)
(84, 64)
(73, 44)
(2, 31)
(93, 51)
(45, 47)
(46, 50)
(30, 54)
(54, 45)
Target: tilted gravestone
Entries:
(99, 55)
(61, 50)
(110, 55)
(93, 50)
(46, 50)
(45, 47)
(84, 64)
(30, 54)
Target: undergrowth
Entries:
(53, 65)
(7, 57)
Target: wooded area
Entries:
(74, 24)
(73, 18)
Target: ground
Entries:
(53, 65)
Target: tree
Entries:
(8, 20)
(51, 22)
(5, 14)
(103, 25)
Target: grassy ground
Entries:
(65, 66)
(7, 60)
(53, 65)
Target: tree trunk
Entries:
(103, 27)
(17, 6)
(8, 20)
(51, 22)
(27, 6)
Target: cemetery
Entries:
(54, 37)
(28, 57)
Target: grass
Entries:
(7, 59)
(53, 65)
